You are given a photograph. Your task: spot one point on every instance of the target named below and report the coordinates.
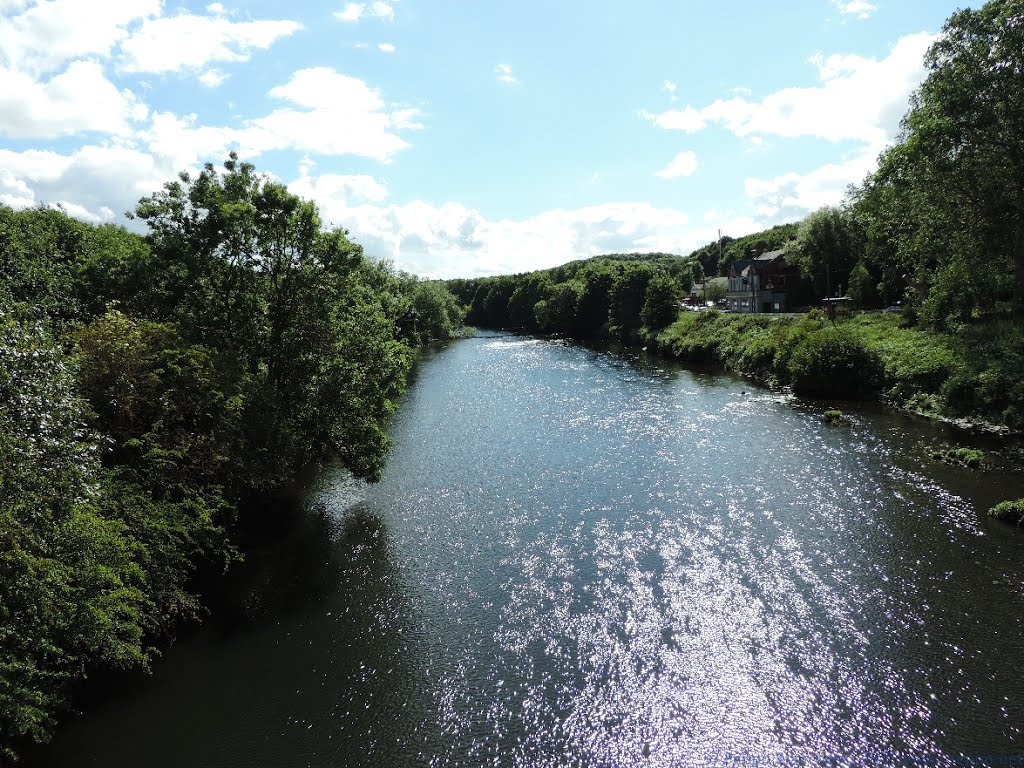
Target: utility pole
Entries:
(753, 294)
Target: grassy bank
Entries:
(977, 374)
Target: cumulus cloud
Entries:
(683, 164)
(213, 78)
(50, 33)
(859, 99)
(859, 8)
(452, 239)
(157, 47)
(792, 195)
(331, 114)
(325, 113)
(353, 12)
(339, 187)
(386, 47)
(505, 74)
(93, 183)
(80, 99)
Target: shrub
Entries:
(966, 457)
(836, 418)
(832, 362)
(1009, 512)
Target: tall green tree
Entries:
(826, 248)
(947, 203)
(71, 591)
(661, 303)
(293, 308)
(626, 301)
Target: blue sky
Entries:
(466, 137)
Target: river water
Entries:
(582, 558)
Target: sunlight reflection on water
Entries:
(585, 559)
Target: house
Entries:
(761, 285)
(716, 287)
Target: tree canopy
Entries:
(945, 208)
(150, 386)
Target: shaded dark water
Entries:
(586, 559)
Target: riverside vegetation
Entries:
(149, 386)
(938, 227)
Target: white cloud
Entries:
(213, 78)
(689, 120)
(860, 99)
(791, 195)
(683, 164)
(859, 8)
(158, 47)
(52, 32)
(177, 142)
(342, 115)
(93, 183)
(386, 47)
(504, 73)
(217, 9)
(452, 239)
(349, 189)
(326, 113)
(669, 87)
(80, 99)
(353, 12)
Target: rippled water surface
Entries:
(579, 558)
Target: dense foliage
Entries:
(149, 386)
(938, 228)
(944, 213)
(715, 258)
(620, 296)
(1010, 511)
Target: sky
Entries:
(458, 138)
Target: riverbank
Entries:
(566, 537)
(973, 379)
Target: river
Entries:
(586, 558)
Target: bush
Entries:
(965, 457)
(836, 418)
(1009, 512)
(832, 362)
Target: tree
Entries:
(291, 312)
(947, 203)
(862, 287)
(626, 300)
(530, 289)
(558, 312)
(71, 595)
(716, 290)
(438, 313)
(661, 307)
(826, 248)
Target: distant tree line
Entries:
(620, 296)
(938, 227)
(150, 385)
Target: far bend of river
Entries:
(580, 558)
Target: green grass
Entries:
(976, 373)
